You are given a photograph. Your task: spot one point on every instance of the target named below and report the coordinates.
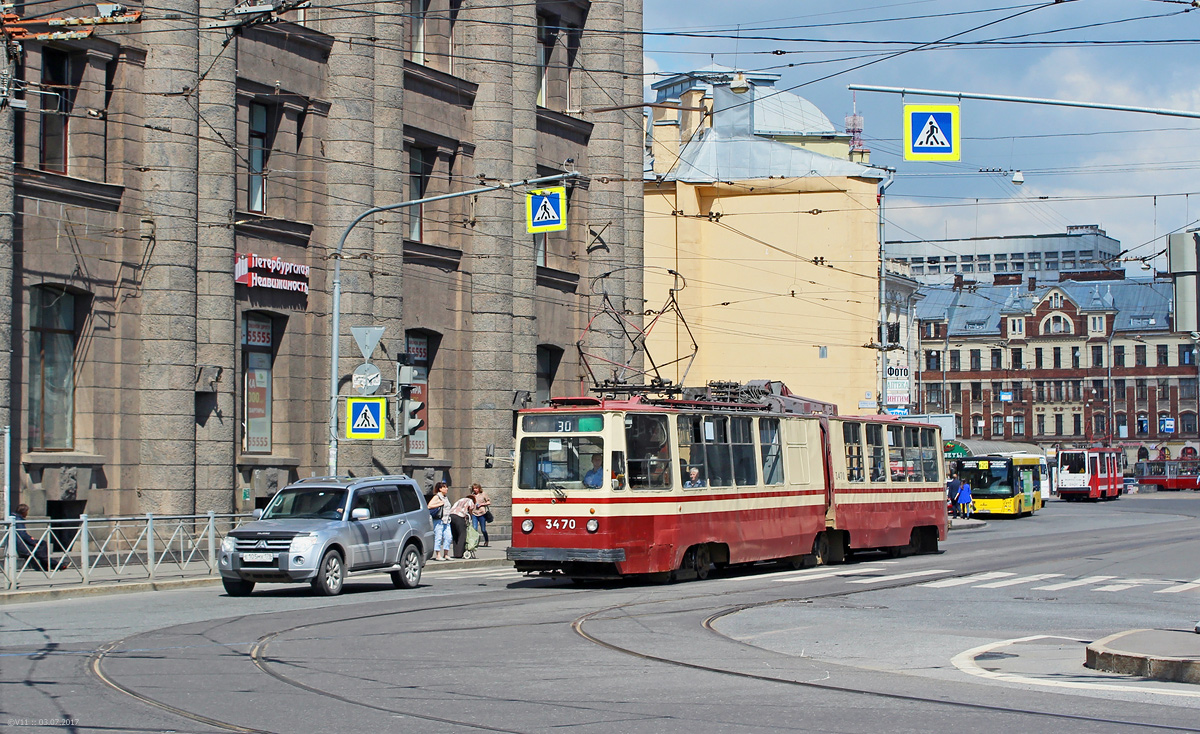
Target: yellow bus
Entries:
(1004, 484)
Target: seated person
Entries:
(694, 481)
(595, 476)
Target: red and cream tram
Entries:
(615, 487)
(1093, 473)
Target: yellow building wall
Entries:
(757, 304)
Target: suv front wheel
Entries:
(330, 575)
(409, 574)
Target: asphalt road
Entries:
(986, 636)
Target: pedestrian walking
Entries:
(460, 515)
(952, 488)
(482, 514)
(439, 506)
(964, 500)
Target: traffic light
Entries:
(409, 411)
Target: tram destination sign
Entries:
(563, 423)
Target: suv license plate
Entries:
(258, 557)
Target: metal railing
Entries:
(93, 550)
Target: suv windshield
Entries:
(296, 502)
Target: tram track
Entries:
(258, 655)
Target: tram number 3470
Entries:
(560, 524)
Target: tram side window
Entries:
(1072, 463)
(772, 450)
(912, 454)
(877, 457)
(1094, 464)
(895, 439)
(929, 455)
(741, 433)
(691, 451)
(720, 463)
(852, 439)
(1103, 465)
(648, 451)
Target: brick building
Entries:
(176, 189)
(1070, 363)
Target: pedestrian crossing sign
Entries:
(366, 418)
(546, 210)
(932, 132)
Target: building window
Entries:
(1056, 300)
(1099, 424)
(1018, 425)
(258, 342)
(997, 359)
(1058, 358)
(956, 395)
(955, 362)
(1016, 327)
(1077, 424)
(1119, 421)
(1187, 422)
(1058, 424)
(1097, 356)
(1139, 355)
(1118, 356)
(256, 162)
(1017, 360)
(1098, 390)
(976, 360)
(976, 392)
(997, 388)
(977, 425)
(933, 360)
(1018, 392)
(1140, 389)
(1187, 388)
(997, 426)
(1040, 391)
(57, 100)
(1162, 358)
(1119, 390)
(1037, 358)
(548, 359)
(1187, 354)
(1143, 424)
(933, 393)
(539, 249)
(1075, 359)
(418, 29)
(420, 167)
(1041, 424)
(51, 369)
(546, 36)
(1058, 391)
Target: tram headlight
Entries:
(593, 525)
(527, 526)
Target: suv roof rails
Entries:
(349, 480)
(329, 477)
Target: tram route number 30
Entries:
(560, 524)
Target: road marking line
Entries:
(1182, 587)
(965, 661)
(1073, 584)
(829, 574)
(944, 583)
(1020, 580)
(818, 571)
(899, 576)
(1129, 584)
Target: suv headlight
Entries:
(229, 544)
(302, 544)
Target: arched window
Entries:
(1057, 324)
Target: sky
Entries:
(1133, 174)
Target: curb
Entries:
(134, 587)
(1100, 656)
(966, 525)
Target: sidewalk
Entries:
(959, 523)
(1170, 655)
(106, 581)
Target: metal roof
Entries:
(1141, 305)
(716, 156)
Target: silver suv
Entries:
(322, 529)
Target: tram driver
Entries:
(595, 476)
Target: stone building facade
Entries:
(1060, 364)
(178, 191)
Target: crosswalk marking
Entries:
(944, 583)
(1181, 587)
(1073, 584)
(1129, 584)
(829, 574)
(1019, 580)
(899, 576)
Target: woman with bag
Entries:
(483, 511)
(439, 512)
(460, 515)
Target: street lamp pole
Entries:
(335, 329)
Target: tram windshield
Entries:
(989, 478)
(559, 462)
(1072, 462)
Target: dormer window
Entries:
(1055, 300)
(1016, 327)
